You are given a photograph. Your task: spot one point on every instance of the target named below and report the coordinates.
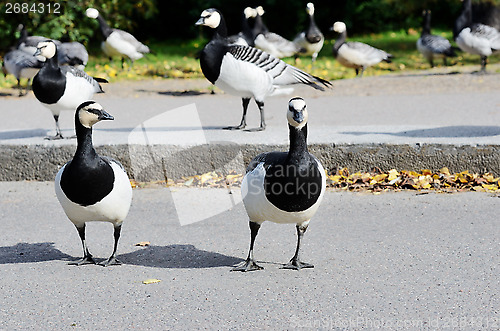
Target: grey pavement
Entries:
(427, 119)
(394, 261)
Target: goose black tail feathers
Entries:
(322, 81)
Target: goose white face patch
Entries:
(47, 49)
(260, 11)
(297, 106)
(92, 12)
(88, 118)
(310, 8)
(249, 12)
(339, 27)
(212, 19)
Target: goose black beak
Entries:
(298, 117)
(105, 116)
(201, 21)
(37, 52)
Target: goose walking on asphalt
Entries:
(284, 187)
(21, 65)
(431, 45)
(92, 187)
(475, 38)
(311, 39)
(118, 42)
(61, 88)
(355, 54)
(246, 71)
(271, 42)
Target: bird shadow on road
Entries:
(20, 134)
(460, 131)
(185, 93)
(177, 257)
(31, 252)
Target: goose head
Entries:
(92, 13)
(210, 17)
(310, 8)
(249, 12)
(297, 114)
(90, 112)
(260, 11)
(46, 48)
(339, 27)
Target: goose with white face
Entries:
(339, 27)
(46, 48)
(297, 114)
(209, 17)
(91, 114)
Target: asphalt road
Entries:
(390, 261)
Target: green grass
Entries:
(176, 59)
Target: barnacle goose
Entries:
(431, 45)
(21, 65)
(118, 42)
(475, 38)
(284, 187)
(311, 39)
(354, 54)
(73, 54)
(246, 36)
(61, 87)
(28, 44)
(92, 187)
(246, 71)
(271, 42)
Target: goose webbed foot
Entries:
(238, 127)
(248, 265)
(111, 261)
(295, 264)
(84, 260)
(260, 128)
(56, 137)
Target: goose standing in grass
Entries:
(284, 187)
(270, 42)
(118, 42)
(431, 45)
(246, 71)
(21, 65)
(311, 39)
(61, 88)
(246, 36)
(92, 187)
(475, 38)
(355, 54)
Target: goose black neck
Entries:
(85, 147)
(339, 42)
(259, 26)
(105, 29)
(220, 32)
(464, 20)
(245, 27)
(298, 142)
(53, 62)
(426, 27)
(312, 23)
(23, 37)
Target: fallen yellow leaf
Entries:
(151, 281)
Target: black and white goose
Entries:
(73, 54)
(28, 44)
(246, 36)
(271, 42)
(311, 39)
(21, 65)
(118, 42)
(475, 38)
(246, 71)
(431, 45)
(355, 54)
(61, 87)
(92, 187)
(284, 187)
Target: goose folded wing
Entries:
(437, 44)
(140, 47)
(81, 74)
(282, 73)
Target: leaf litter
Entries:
(374, 181)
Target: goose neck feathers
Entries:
(106, 30)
